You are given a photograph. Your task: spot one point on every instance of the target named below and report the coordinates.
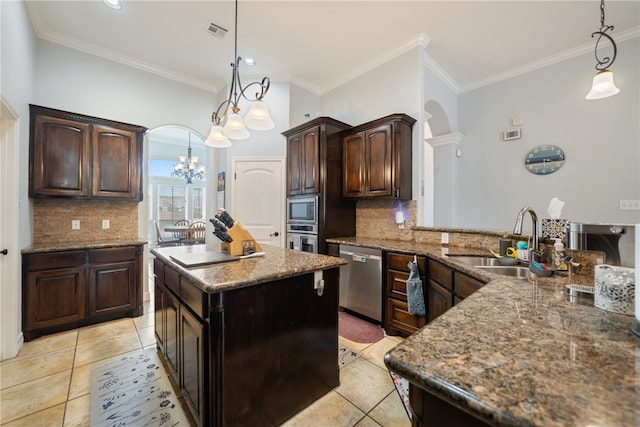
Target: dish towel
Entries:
(415, 297)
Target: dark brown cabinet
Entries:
(377, 158)
(72, 155)
(398, 320)
(68, 289)
(447, 287)
(192, 363)
(314, 167)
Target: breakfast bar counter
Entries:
(249, 341)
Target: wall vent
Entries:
(216, 30)
(508, 135)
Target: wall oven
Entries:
(302, 223)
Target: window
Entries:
(172, 204)
(197, 201)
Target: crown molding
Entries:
(549, 60)
(420, 40)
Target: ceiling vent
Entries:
(216, 30)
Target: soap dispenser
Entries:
(558, 255)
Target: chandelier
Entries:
(603, 85)
(188, 167)
(258, 115)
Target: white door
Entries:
(10, 306)
(257, 198)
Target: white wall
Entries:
(303, 102)
(600, 139)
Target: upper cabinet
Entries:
(73, 155)
(309, 154)
(377, 158)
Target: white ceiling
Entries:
(322, 44)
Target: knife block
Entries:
(241, 237)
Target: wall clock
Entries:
(544, 159)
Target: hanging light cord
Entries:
(234, 96)
(606, 62)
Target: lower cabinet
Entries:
(67, 289)
(256, 355)
(398, 320)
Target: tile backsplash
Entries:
(52, 220)
(376, 218)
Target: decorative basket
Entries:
(615, 289)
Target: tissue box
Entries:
(554, 228)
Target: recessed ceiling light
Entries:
(113, 4)
(250, 62)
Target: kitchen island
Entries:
(517, 352)
(251, 341)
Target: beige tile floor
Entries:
(48, 383)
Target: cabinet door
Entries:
(294, 164)
(378, 161)
(192, 364)
(310, 160)
(439, 300)
(112, 288)
(353, 155)
(159, 322)
(116, 163)
(59, 163)
(171, 324)
(55, 297)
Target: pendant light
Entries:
(603, 85)
(236, 127)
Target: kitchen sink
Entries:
(503, 270)
(476, 260)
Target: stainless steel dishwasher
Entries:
(361, 281)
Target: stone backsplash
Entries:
(376, 218)
(52, 220)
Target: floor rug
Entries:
(357, 330)
(133, 390)
(402, 387)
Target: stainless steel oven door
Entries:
(303, 242)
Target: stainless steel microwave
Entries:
(302, 210)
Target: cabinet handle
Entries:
(4, 252)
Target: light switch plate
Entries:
(445, 238)
(105, 224)
(630, 205)
(75, 224)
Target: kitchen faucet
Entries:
(517, 230)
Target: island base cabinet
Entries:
(428, 410)
(280, 349)
(193, 370)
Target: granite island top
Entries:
(79, 245)
(276, 263)
(518, 353)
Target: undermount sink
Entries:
(476, 260)
(511, 271)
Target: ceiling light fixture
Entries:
(113, 4)
(188, 167)
(603, 85)
(236, 127)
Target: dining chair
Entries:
(196, 233)
(160, 241)
(181, 234)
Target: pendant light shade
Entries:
(235, 128)
(603, 86)
(216, 138)
(258, 117)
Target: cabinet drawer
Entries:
(104, 256)
(400, 318)
(172, 279)
(193, 297)
(400, 261)
(397, 285)
(158, 270)
(56, 260)
(441, 274)
(465, 285)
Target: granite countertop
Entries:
(276, 263)
(70, 246)
(519, 353)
